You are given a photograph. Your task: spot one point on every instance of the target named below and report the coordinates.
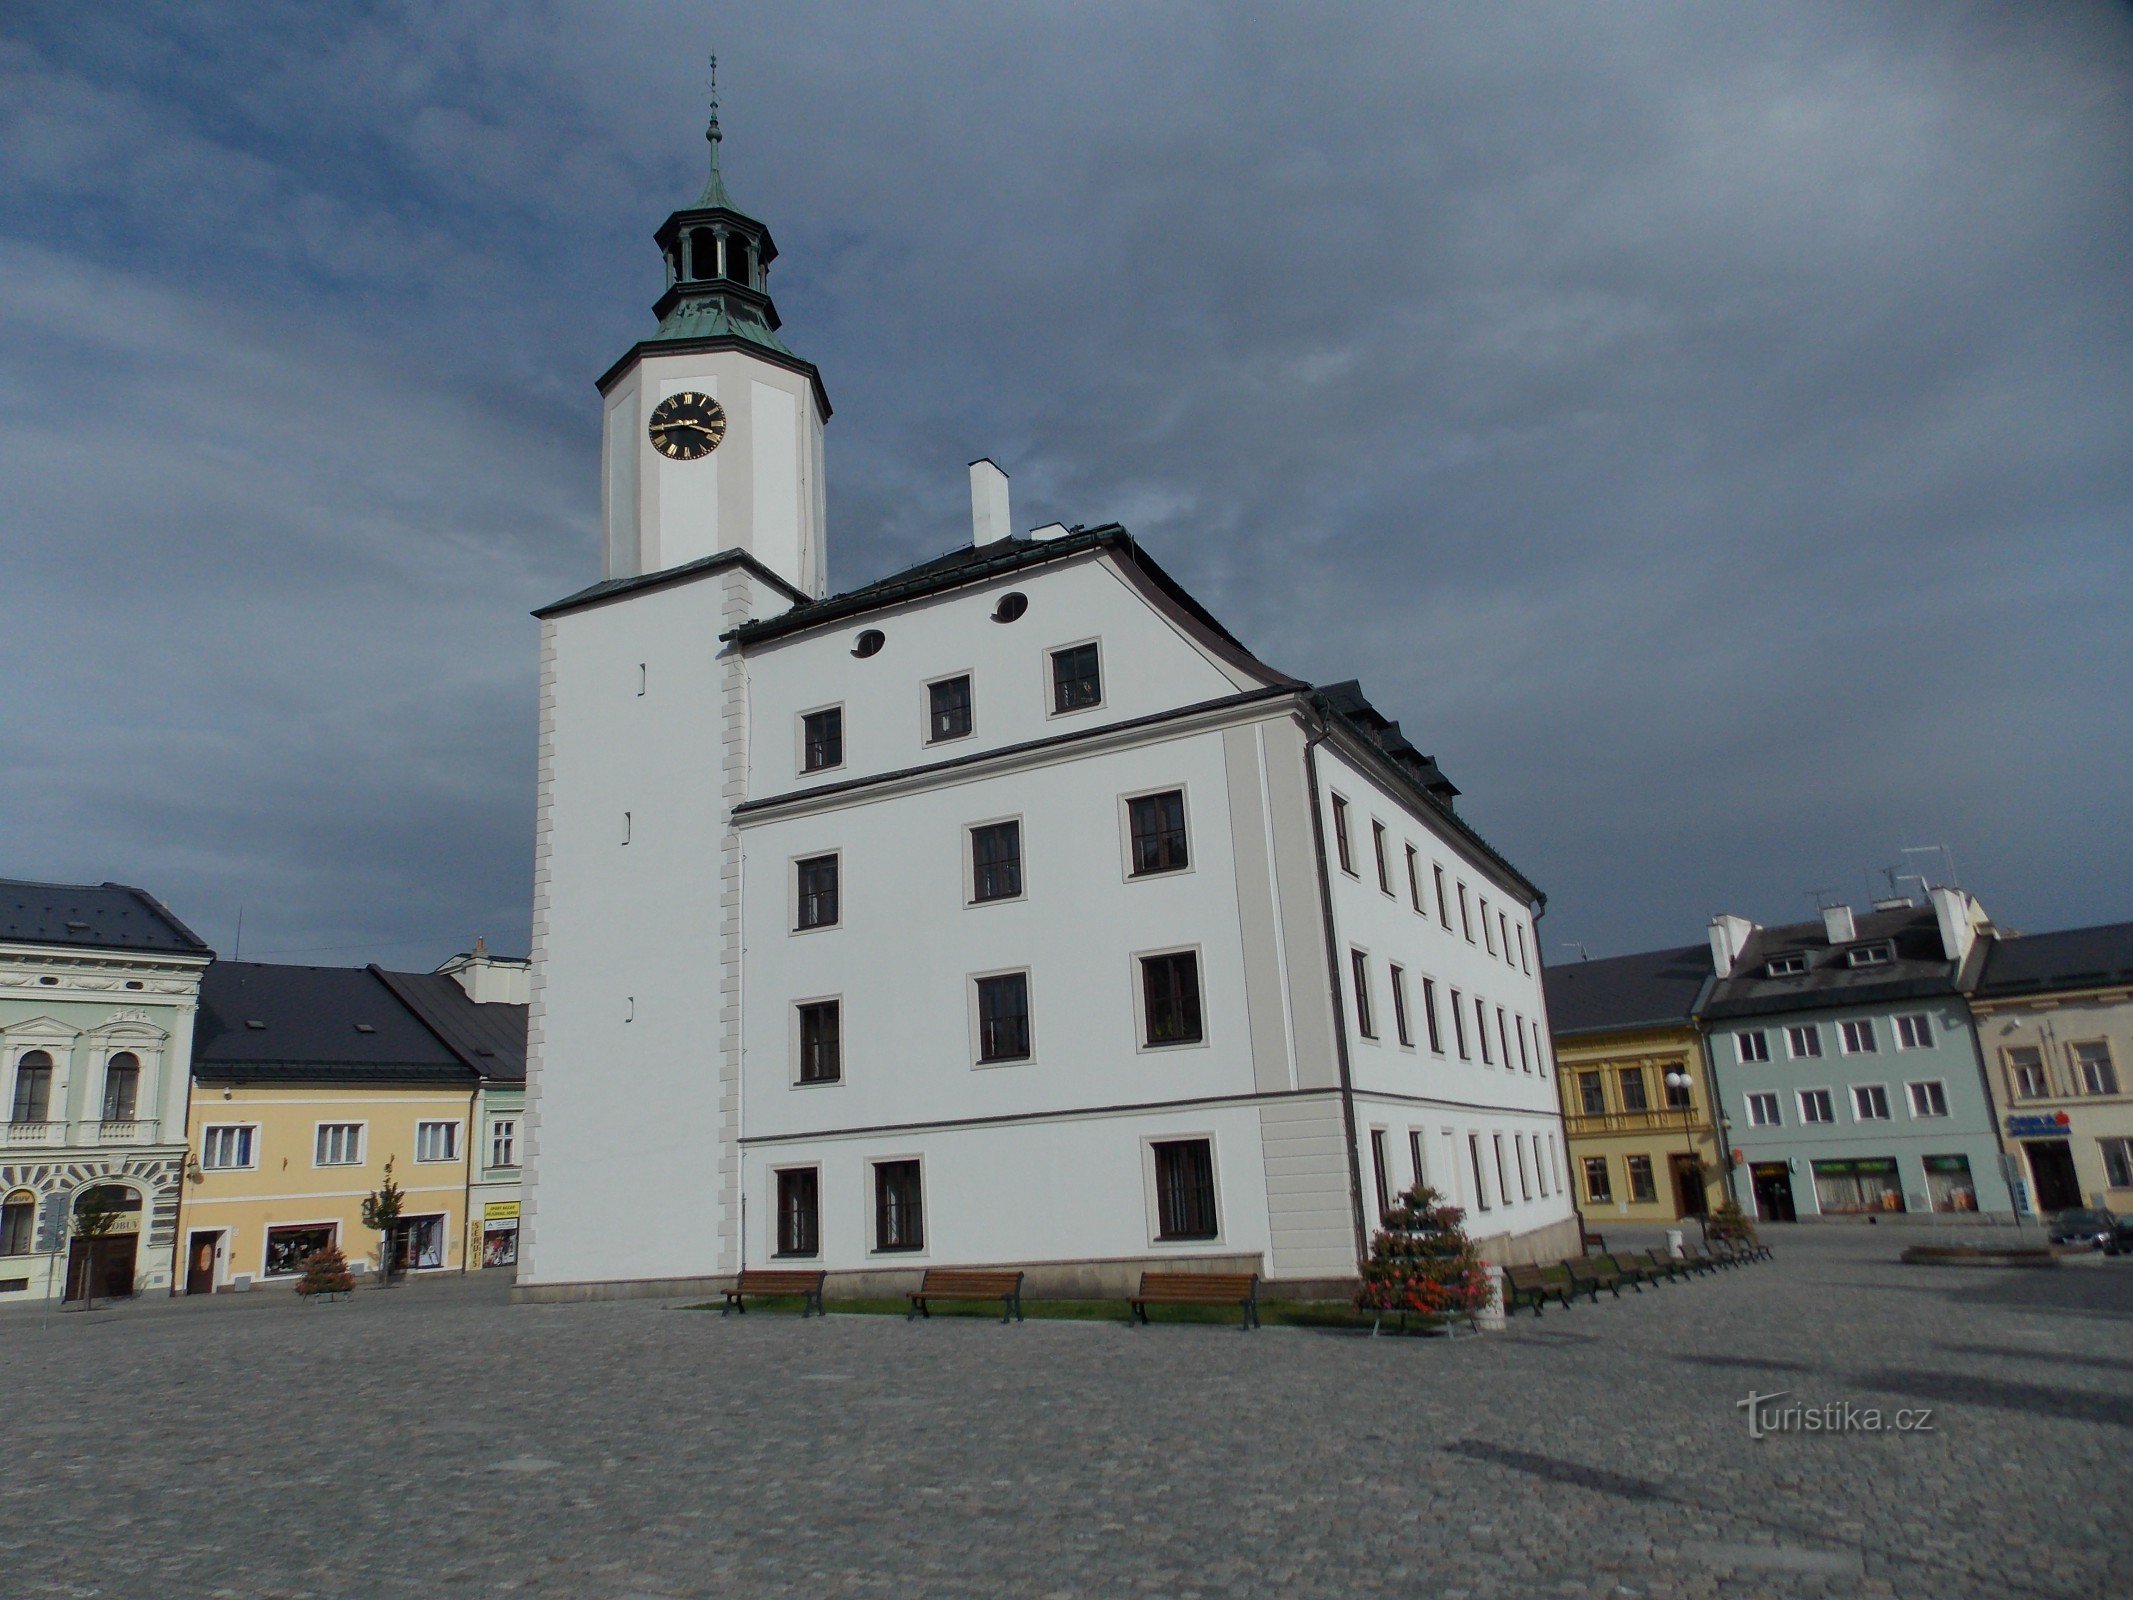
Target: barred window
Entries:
(1185, 1189)
(1003, 1017)
(821, 1042)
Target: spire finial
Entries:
(714, 185)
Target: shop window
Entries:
(1852, 1188)
(1185, 1189)
(1948, 1184)
(289, 1248)
(2117, 1163)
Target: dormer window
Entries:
(1869, 955)
(1790, 965)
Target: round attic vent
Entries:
(1010, 607)
(869, 643)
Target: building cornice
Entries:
(705, 346)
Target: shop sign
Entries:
(500, 1211)
(2047, 1125)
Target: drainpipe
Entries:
(1333, 970)
(469, 1239)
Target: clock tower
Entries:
(711, 432)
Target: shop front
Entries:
(1862, 1186)
(499, 1233)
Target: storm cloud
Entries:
(1710, 428)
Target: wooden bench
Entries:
(961, 1283)
(1529, 1286)
(1627, 1274)
(1589, 1277)
(1645, 1266)
(1197, 1289)
(1594, 1242)
(764, 1283)
(1695, 1260)
(1664, 1263)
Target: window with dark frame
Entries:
(1377, 850)
(1488, 934)
(1184, 1189)
(1170, 996)
(822, 739)
(1359, 966)
(799, 1212)
(1481, 1182)
(1466, 915)
(1459, 1025)
(996, 862)
(821, 1042)
(947, 709)
(1341, 846)
(33, 1087)
(1003, 1017)
(18, 1226)
(1429, 1014)
(1598, 1187)
(122, 1087)
(899, 1208)
(1525, 1182)
(1414, 1154)
(1643, 1189)
(1592, 1095)
(1481, 1027)
(1077, 681)
(1414, 882)
(1399, 1006)
(1377, 1166)
(817, 876)
(1444, 910)
(1525, 1061)
(1524, 965)
(1677, 1094)
(1633, 1096)
(1503, 926)
(1156, 823)
(1503, 1171)
(1503, 1037)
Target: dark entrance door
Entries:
(107, 1263)
(1773, 1192)
(1688, 1184)
(2051, 1169)
(200, 1263)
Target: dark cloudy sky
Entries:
(1709, 428)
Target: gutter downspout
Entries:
(1314, 738)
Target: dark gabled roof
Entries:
(1346, 699)
(100, 916)
(608, 588)
(489, 1040)
(313, 1024)
(2073, 958)
(1649, 989)
(1921, 967)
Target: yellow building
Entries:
(307, 1082)
(1636, 1096)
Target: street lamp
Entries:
(1680, 1082)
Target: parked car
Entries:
(2121, 1241)
(2083, 1228)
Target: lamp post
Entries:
(1679, 1080)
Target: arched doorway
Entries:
(103, 1265)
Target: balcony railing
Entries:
(47, 1135)
(34, 1133)
(131, 1131)
(1662, 1120)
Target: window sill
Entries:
(818, 1083)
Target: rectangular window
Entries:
(503, 1142)
(1076, 681)
(1641, 1187)
(1677, 1094)
(1359, 967)
(1540, 1051)
(1414, 1155)
(947, 709)
(1488, 934)
(822, 739)
(226, 1148)
(1752, 1045)
(1459, 1026)
(1481, 1027)
(18, 1227)
(1763, 1111)
(1869, 955)
(996, 862)
(2117, 1165)
(817, 878)
(1503, 1037)
(1341, 845)
(1815, 1106)
(1399, 1006)
(289, 1248)
(1848, 1188)
(1444, 908)
(1170, 994)
(1524, 965)
(800, 1211)
(1503, 1170)
(1429, 1015)
(1157, 825)
(1481, 1181)
(1870, 1102)
(1525, 1057)
(1003, 1017)
(899, 1210)
(1466, 915)
(1592, 1096)
(1804, 1042)
(1525, 1180)
(1377, 1167)
(821, 1041)
(1414, 881)
(340, 1144)
(1858, 1037)
(33, 1089)
(436, 1141)
(1787, 966)
(1929, 1099)
(1598, 1186)
(1914, 1032)
(1184, 1189)
(2092, 1063)
(1503, 926)
(1540, 1166)
(1377, 850)
(122, 1087)
(1633, 1096)
(2025, 1066)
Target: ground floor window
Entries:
(1598, 1186)
(1642, 1187)
(499, 1243)
(18, 1224)
(288, 1248)
(1948, 1183)
(1851, 1187)
(899, 1208)
(418, 1242)
(1185, 1189)
(2117, 1163)
(799, 1212)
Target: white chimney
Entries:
(1961, 919)
(1837, 923)
(1729, 937)
(988, 503)
(490, 979)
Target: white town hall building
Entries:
(1007, 911)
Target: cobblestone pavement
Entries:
(436, 1441)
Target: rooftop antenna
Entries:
(1572, 944)
(238, 953)
(1823, 898)
(1946, 855)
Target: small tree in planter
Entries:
(1729, 1224)
(95, 1220)
(381, 1210)
(325, 1272)
(1423, 1264)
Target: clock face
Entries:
(687, 426)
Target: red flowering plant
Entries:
(1422, 1263)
